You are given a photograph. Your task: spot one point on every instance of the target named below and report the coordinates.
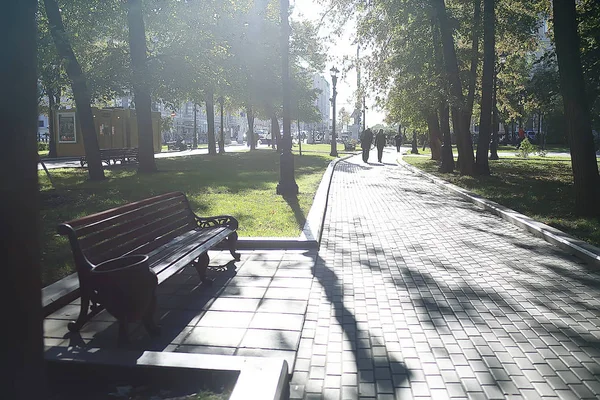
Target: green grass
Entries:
(43, 153)
(240, 184)
(540, 188)
(165, 148)
(320, 148)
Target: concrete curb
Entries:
(313, 227)
(579, 248)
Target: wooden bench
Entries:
(163, 227)
(124, 155)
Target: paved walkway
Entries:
(418, 294)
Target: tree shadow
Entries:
(358, 337)
(292, 201)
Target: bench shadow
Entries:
(175, 312)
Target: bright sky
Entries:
(342, 47)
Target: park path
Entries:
(418, 294)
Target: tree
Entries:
(579, 130)
(79, 88)
(485, 121)
(143, 102)
(22, 361)
(343, 117)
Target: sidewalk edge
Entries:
(313, 227)
(564, 241)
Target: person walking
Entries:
(380, 143)
(398, 139)
(366, 139)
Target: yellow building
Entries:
(115, 128)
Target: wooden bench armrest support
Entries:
(219, 220)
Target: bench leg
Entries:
(151, 327)
(201, 265)
(123, 334)
(83, 317)
(232, 244)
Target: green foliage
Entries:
(525, 149)
(42, 146)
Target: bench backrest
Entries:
(135, 228)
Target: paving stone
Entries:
(225, 319)
(271, 339)
(283, 306)
(289, 322)
(210, 336)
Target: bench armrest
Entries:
(218, 220)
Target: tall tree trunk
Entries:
(141, 91)
(22, 361)
(577, 113)
(80, 90)
(474, 60)
(435, 143)
(447, 155)
(51, 124)
(487, 88)
(275, 136)
(210, 119)
(463, 137)
(250, 117)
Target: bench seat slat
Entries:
(117, 211)
(126, 222)
(169, 254)
(167, 270)
(128, 240)
(141, 244)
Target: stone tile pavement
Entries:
(257, 311)
(414, 293)
(418, 294)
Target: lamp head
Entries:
(334, 71)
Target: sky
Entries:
(346, 85)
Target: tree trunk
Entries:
(275, 136)
(463, 137)
(447, 155)
(80, 90)
(414, 149)
(143, 102)
(433, 126)
(51, 124)
(210, 119)
(250, 138)
(22, 361)
(577, 113)
(487, 88)
(474, 60)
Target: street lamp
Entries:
(334, 71)
(494, 146)
(364, 114)
(221, 137)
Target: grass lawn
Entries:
(240, 184)
(320, 148)
(540, 188)
(165, 148)
(43, 153)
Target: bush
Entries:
(42, 146)
(526, 148)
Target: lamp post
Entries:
(287, 186)
(334, 71)
(195, 138)
(364, 114)
(221, 136)
(494, 145)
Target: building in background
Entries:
(322, 101)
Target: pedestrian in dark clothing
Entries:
(380, 143)
(398, 139)
(366, 139)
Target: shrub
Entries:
(526, 148)
(42, 146)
